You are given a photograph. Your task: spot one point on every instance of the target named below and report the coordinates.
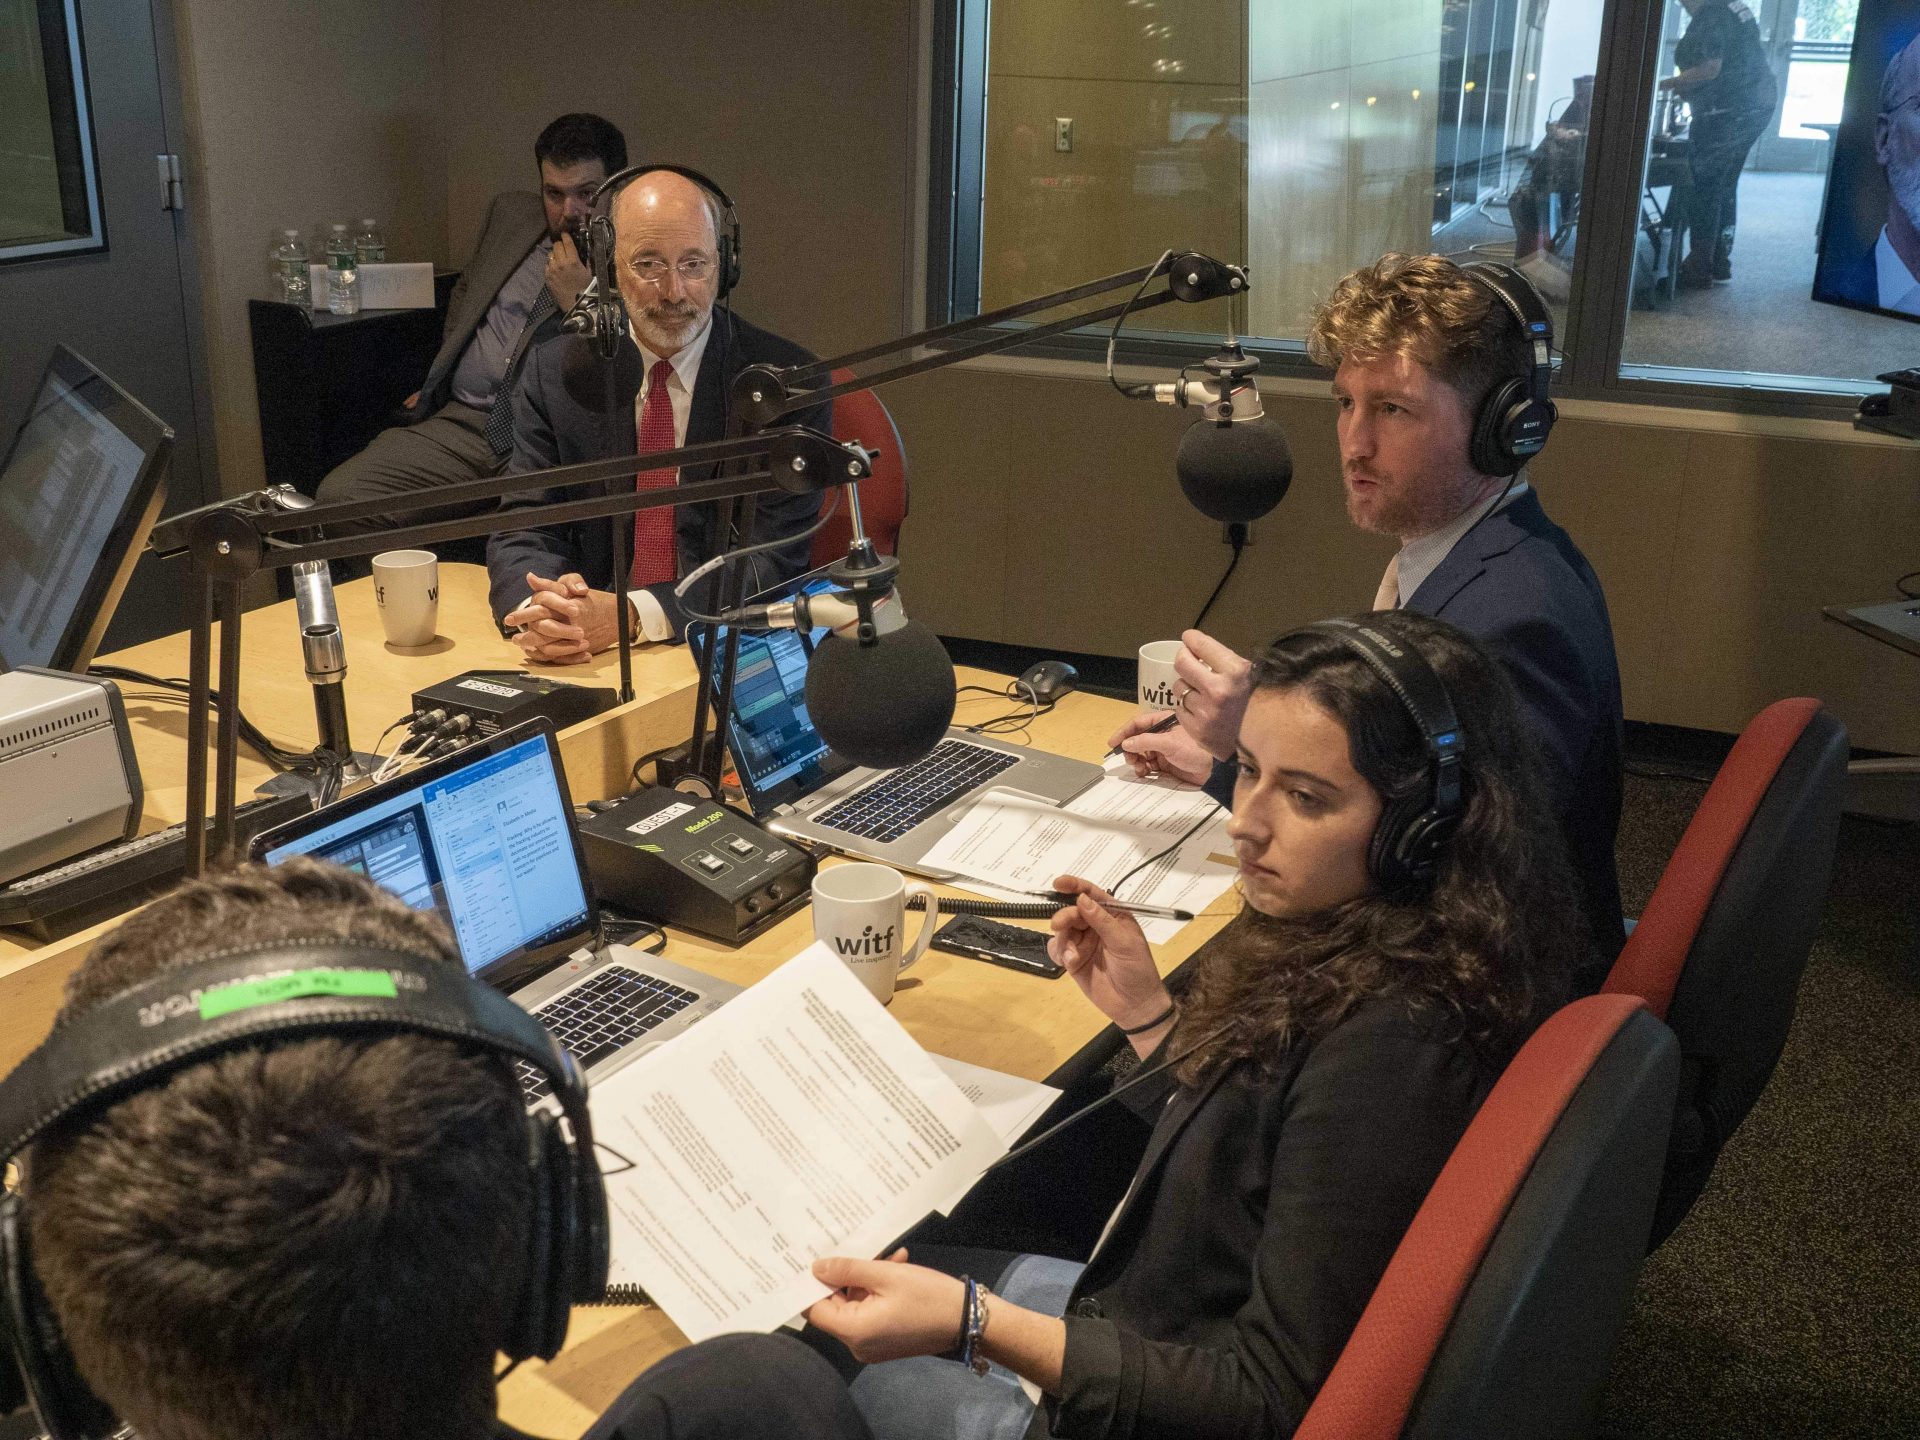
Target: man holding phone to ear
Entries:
(1417, 346)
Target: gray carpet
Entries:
(1788, 1303)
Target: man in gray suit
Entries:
(525, 274)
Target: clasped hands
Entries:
(1215, 683)
(564, 622)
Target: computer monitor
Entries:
(1870, 230)
(81, 484)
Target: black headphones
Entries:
(265, 995)
(727, 245)
(1414, 830)
(1513, 422)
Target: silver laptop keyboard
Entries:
(901, 799)
(615, 1006)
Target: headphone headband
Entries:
(1521, 300)
(288, 990)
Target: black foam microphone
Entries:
(1234, 462)
(880, 688)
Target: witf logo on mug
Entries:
(860, 912)
(406, 589)
(867, 944)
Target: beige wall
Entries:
(803, 112)
(1157, 99)
(301, 114)
(1342, 104)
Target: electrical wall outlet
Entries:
(1063, 133)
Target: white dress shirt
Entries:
(1898, 288)
(1421, 556)
(654, 624)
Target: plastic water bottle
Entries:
(343, 280)
(290, 264)
(369, 246)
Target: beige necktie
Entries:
(1387, 597)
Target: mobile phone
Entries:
(1011, 945)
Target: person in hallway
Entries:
(553, 588)
(1729, 87)
(327, 1235)
(525, 274)
(1336, 1041)
(1417, 345)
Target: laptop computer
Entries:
(799, 788)
(486, 838)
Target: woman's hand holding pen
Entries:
(1107, 954)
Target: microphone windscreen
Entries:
(883, 704)
(1235, 472)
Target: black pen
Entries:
(1159, 727)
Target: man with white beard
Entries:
(1884, 277)
(553, 589)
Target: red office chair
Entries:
(883, 494)
(1499, 1311)
(1719, 952)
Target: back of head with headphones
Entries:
(1413, 832)
(1512, 423)
(268, 995)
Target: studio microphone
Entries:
(1234, 462)
(880, 687)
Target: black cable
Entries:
(1192, 830)
(1901, 585)
(275, 754)
(1237, 537)
(1133, 392)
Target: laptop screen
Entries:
(487, 842)
(79, 488)
(777, 752)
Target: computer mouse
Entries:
(1048, 681)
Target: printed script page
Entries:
(798, 1120)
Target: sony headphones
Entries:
(295, 990)
(1513, 422)
(727, 244)
(1414, 829)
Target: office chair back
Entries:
(1721, 947)
(883, 494)
(1499, 1311)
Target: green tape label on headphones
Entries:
(246, 994)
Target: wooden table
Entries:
(381, 679)
(952, 1005)
(991, 1016)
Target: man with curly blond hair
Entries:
(1417, 345)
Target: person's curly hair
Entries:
(1425, 308)
(1490, 946)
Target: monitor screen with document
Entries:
(80, 486)
(485, 838)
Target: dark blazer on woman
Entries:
(1261, 1218)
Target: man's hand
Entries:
(566, 272)
(1217, 681)
(563, 622)
(1174, 752)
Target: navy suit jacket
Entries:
(558, 420)
(1519, 584)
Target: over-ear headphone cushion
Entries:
(67, 1407)
(539, 1325)
(1493, 428)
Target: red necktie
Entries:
(654, 556)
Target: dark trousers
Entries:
(1720, 143)
(448, 446)
(735, 1387)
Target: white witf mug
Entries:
(860, 913)
(406, 587)
(1159, 682)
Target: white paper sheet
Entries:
(1006, 1102)
(799, 1120)
(1011, 845)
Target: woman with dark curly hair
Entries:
(1336, 1040)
